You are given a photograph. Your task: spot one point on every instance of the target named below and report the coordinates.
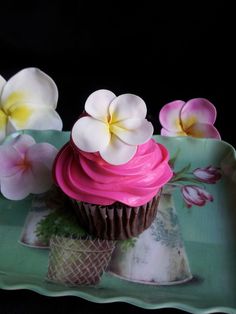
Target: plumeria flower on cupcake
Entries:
(114, 126)
(28, 101)
(26, 167)
(195, 118)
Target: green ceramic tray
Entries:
(209, 234)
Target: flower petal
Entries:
(13, 152)
(30, 85)
(208, 174)
(203, 130)
(165, 132)
(42, 152)
(20, 114)
(169, 116)
(10, 127)
(117, 152)
(206, 195)
(9, 160)
(133, 136)
(21, 143)
(3, 123)
(90, 135)
(194, 195)
(37, 179)
(197, 110)
(2, 83)
(17, 186)
(127, 106)
(31, 117)
(130, 124)
(97, 104)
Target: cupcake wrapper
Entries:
(75, 262)
(117, 221)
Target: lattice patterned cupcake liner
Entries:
(78, 261)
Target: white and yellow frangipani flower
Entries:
(113, 127)
(28, 101)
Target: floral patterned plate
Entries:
(203, 191)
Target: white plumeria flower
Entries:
(28, 101)
(114, 126)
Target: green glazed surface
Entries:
(209, 234)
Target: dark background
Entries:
(159, 50)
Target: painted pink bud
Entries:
(208, 174)
(194, 195)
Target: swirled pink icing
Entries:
(87, 177)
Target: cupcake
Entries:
(112, 168)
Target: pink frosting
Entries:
(87, 177)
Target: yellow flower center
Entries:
(186, 125)
(3, 119)
(15, 108)
(114, 124)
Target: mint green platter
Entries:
(209, 234)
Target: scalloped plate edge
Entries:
(130, 300)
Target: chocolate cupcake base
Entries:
(116, 221)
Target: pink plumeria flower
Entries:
(192, 118)
(114, 126)
(208, 174)
(25, 167)
(194, 195)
